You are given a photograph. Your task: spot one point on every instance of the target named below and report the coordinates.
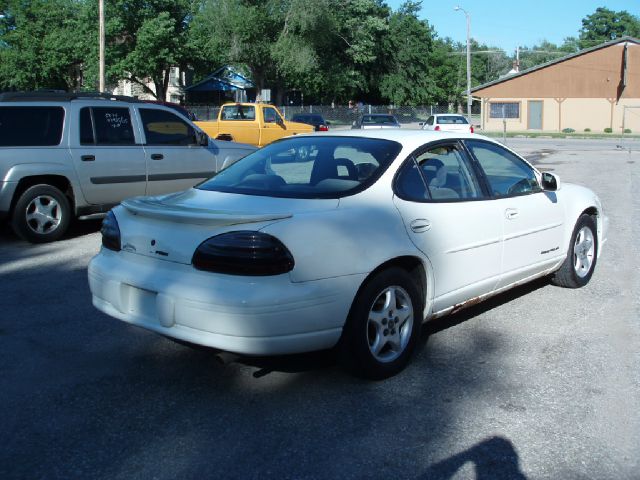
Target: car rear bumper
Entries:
(245, 315)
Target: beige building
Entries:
(593, 89)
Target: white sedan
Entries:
(448, 122)
(348, 240)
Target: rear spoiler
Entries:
(151, 207)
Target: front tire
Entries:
(578, 267)
(41, 214)
(383, 325)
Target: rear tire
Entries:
(41, 214)
(578, 267)
(383, 325)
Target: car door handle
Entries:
(157, 156)
(88, 158)
(420, 225)
(511, 213)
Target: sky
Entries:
(508, 24)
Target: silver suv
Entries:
(64, 156)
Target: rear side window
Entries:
(31, 126)
(165, 128)
(106, 126)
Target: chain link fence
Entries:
(345, 116)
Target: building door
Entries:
(535, 115)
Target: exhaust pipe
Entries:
(225, 358)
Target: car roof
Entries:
(449, 115)
(408, 138)
(41, 96)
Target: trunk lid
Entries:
(170, 227)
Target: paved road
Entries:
(539, 383)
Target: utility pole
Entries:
(101, 40)
(459, 8)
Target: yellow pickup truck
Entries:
(255, 123)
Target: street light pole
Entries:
(101, 40)
(466, 14)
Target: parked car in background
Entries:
(315, 119)
(375, 121)
(253, 123)
(178, 108)
(77, 155)
(448, 122)
(347, 240)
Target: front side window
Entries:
(238, 112)
(112, 126)
(31, 126)
(506, 173)
(308, 167)
(430, 121)
(270, 115)
(165, 128)
(504, 110)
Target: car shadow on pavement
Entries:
(492, 459)
(78, 228)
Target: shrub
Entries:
(568, 130)
(627, 130)
(587, 129)
(608, 130)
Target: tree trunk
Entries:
(159, 84)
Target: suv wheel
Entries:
(41, 214)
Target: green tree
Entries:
(544, 52)
(144, 40)
(604, 25)
(38, 48)
(329, 50)
(408, 48)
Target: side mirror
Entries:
(421, 124)
(550, 182)
(280, 122)
(202, 138)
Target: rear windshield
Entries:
(457, 120)
(308, 167)
(238, 112)
(31, 126)
(379, 120)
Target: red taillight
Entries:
(437, 127)
(323, 128)
(471, 129)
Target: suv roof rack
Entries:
(60, 96)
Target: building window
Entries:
(505, 110)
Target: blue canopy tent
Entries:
(223, 85)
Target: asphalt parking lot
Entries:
(538, 383)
